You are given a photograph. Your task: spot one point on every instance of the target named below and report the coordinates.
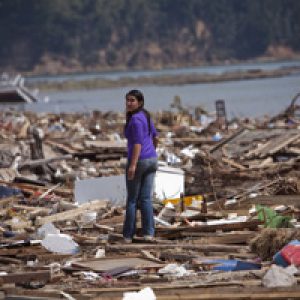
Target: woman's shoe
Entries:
(148, 238)
(127, 240)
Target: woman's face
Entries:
(131, 103)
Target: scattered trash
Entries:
(162, 222)
(272, 219)
(217, 137)
(269, 242)
(168, 183)
(232, 265)
(100, 253)
(210, 200)
(168, 213)
(90, 276)
(89, 217)
(144, 294)
(277, 276)
(60, 243)
(46, 229)
(174, 270)
(288, 255)
(8, 192)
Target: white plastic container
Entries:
(168, 183)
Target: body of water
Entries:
(243, 98)
(253, 98)
(211, 70)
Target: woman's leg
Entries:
(133, 190)
(145, 198)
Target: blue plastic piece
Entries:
(233, 265)
(8, 191)
(9, 234)
(279, 260)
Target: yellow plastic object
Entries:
(187, 200)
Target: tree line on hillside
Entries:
(142, 33)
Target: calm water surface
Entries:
(211, 70)
(242, 98)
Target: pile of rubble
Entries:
(241, 185)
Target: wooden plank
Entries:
(233, 163)
(168, 255)
(271, 200)
(232, 238)
(293, 150)
(18, 225)
(37, 162)
(260, 163)
(23, 251)
(255, 152)
(211, 228)
(73, 213)
(9, 200)
(231, 296)
(19, 293)
(275, 200)
(65, 192)
(276, 165)
(166, 287)
(199, 217)
(273, 145)
(146, 254)
(104, 228)
(33, 210)
(227, 140)
(202, 291)
(105, 264)
(60, 146)
(26, 277)
(106, 145)
(186, 246)
(285, 141)
(109, 156)
(25, 207)
(193, 141)
(9, 260)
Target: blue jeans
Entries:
(139, 192)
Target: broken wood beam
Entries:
(193, 141)
(235, 290)
(267, 200)
(232, 163)
(285, 142)
(37, 162)
(227, 140)
(224, 238)
(9, 200)
(26, 277)
(73, 213)
(252, 225)
(204, 248)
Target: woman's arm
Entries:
(134, 159)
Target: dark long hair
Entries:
(138, 95)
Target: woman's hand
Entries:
(134, 160)
(131, 172)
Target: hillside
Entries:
(91, 35)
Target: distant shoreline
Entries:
(164, 80)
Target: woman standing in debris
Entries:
(141, 167)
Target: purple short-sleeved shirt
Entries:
(137, 132)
